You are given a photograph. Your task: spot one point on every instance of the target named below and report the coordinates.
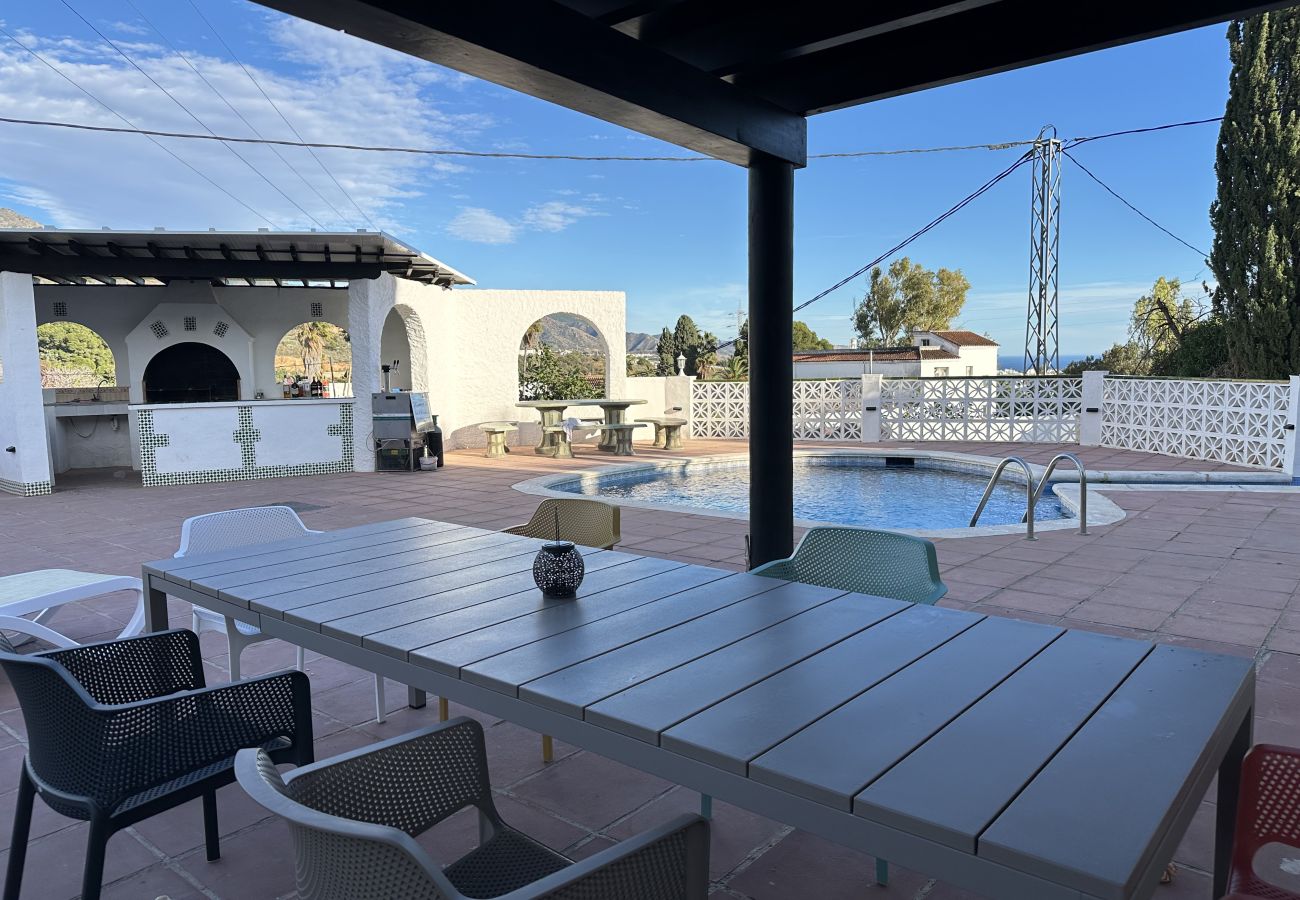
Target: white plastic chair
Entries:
(216, 531)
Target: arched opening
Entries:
(73, 355)
(401, 335)
(562, 356)
(316, 350)
(190, 373)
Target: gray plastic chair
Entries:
(882, 563)
(867, 561)
(354, 819)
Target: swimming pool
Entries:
(879, 492)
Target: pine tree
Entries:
(1256, 215)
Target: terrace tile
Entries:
(1213, 570)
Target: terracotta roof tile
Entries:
(966, 338)
(881, 354)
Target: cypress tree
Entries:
(1256, 214)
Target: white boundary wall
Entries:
(1236, 422)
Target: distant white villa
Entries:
(933, 354)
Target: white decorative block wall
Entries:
(1239, 422)
(981, 409)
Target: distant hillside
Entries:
(11, 219)
(640, 342)
(565, 331)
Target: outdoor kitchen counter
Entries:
(189, 443)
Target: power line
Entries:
(573, 157)
(1116, 195)
(232, 108)
(187, 111)
(257, 84)
(933, 223)
(134, 130)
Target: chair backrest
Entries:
(240, 527)
(64, 739)
(884, 563)
(353, 816)
(590, 523)
(1268, 812)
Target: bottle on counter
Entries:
(317, 389)
(295, 390)
(288, 387)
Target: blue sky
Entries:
(672, 235)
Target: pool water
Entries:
(846, 490)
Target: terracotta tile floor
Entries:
(1219, 570)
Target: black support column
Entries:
(771, 363)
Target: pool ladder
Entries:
(1033, 494)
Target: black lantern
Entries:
(558, 569)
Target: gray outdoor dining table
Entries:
(1011, 758)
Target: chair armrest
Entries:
(135, 669)
(671, 861)
(428, 774)
(152, 742)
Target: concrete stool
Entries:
(496, 437)
(622, 435)
(563, 449)
(668, 431)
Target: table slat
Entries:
(1091, 816)
(733, 732)
(506, 671)
(571, 689)
(454, 654)
(441, 545)
(442, 652)
(444, 575)
(176, 568)
(951, 787)
(385, 623)
(885, 723)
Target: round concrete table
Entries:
(552, 413)
(615, 414)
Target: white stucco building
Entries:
(933, 354)
(193, 321)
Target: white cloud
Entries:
(482, 226)
(337, 89)
(555, 215)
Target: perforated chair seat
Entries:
(508, 861)
(882, 563)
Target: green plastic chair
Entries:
(882, 563)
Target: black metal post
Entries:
(771, 363)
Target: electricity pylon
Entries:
(1042, 331)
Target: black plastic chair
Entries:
(354, 819)
(122, 730)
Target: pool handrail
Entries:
(1030, 494)
(1083, 486)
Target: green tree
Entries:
(1162, 318)
(70, 347)
(639, 366)
(740, 349)
(906, 297)
(685, 339)
(1256, 213)
(547, 375)
(806, 339)
(736, 368)
(1120, 359)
